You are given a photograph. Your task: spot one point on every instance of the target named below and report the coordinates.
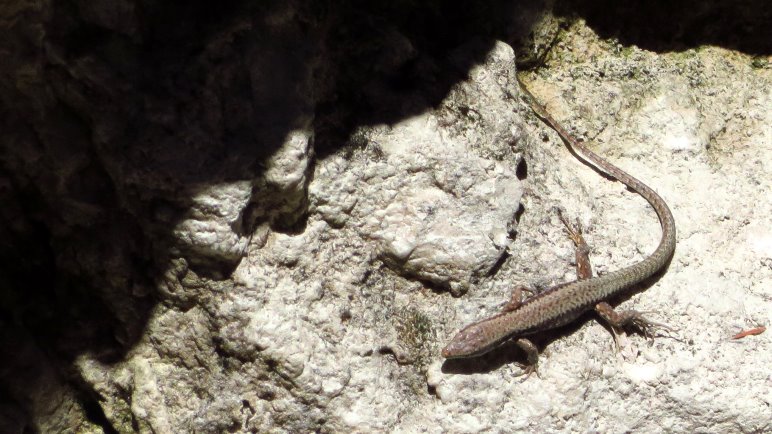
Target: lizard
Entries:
(565, 302)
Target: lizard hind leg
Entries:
(582, 252)
(627, 318)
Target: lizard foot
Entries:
(582, 250)
(532, 354)
(574, 230)
(630, 318)
(527, 370)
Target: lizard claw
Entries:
(646, 326)
(574, 230)
(527, 370)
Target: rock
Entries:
(255, 217)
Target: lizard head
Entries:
(473, 340)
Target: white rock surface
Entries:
(213, 226)
(208, 229)
(439, 216)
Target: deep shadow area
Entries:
(111, 120)
(408, 58)
(743, 25)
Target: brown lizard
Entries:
(565, 302)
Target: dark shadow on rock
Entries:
(744, 25)
(406, 60)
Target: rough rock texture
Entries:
(270, 216)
